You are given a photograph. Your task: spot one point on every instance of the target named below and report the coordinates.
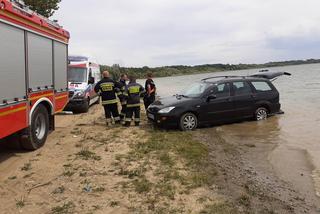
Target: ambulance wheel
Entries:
(85, 107)
(36, 135)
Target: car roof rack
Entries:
(231, 76)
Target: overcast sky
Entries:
(189, 32)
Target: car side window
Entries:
(261, 86)
(241, 88)
(222, 90)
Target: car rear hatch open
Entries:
(271, 75)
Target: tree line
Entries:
(141, 72)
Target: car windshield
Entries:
(77, 74)
(195, 90)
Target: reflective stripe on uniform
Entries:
(133, 105)
(134, 89)
(106, 102)
(128, 119)
(116, 119)
(107, 86)
(137, 120)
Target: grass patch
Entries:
(66, 208)
(219, 208)
(179, 143)
(68, 173)
(99, 189)
(20, 203)
(244, 200)
(166, 159)
(166, 189)
(86, 154)
(114, 203)
(142, 185)
(26, 167)
(12, 177)
(139, 172)
(28, 175)
(59, 190)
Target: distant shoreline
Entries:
(177, 70)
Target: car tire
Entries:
(188, 122)
(36, 135)
(261, 114)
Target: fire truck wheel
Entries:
(37, 133)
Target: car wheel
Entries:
(188, 122)
(261, 114)
(35, 136)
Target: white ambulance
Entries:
(83, 74)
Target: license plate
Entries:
(151, 116)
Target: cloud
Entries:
(165, 32)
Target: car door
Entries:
(243, 99)
(220, 106)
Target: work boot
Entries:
(126, 124)
(116, 120)
(108, 122)
(137, 121)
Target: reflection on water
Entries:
(298, 128)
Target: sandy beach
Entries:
(86, 167)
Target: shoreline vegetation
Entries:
(176, 70)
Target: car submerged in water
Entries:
(217, 100)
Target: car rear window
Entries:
(261, 86)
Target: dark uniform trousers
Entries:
(133, 111)
(111, 110)
(123, 110)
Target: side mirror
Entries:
(91, 80)
(211, 97)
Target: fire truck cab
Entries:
(83, 74)
(33, 73)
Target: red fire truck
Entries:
(33, 73)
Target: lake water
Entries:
(296, 133)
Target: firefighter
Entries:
(122, 96)
(108, 89)
(133, 91)
(150, 95)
